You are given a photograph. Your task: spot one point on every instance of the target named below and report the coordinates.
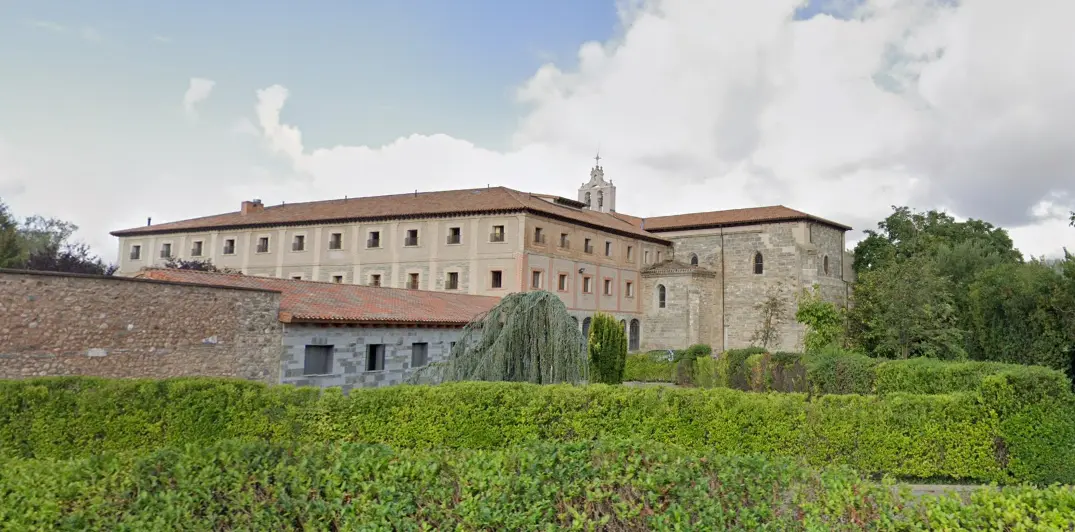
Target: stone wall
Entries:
(349, 348)
(53, 324)
(691, 313)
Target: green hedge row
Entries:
(583, 486)
(992, 435)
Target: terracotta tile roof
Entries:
(753, 215)
(309, 301)
(401, 206)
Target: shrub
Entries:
(649, 367)
(686, 373)
(1010, 508)
(974, 436)
(837, 371)
(928, 375)
(608, 349)
(584, 486)
(735, 369)
(781, 372)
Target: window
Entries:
(608, 248)
(412, 281)
(608, 287)
(825, 264)
(317, 360)
(196, 249)
(645, 256)
(166, 251)
(535, 279)
(335, 241)
(661, 301)
(564, 242)
(600, 199)
(658, 256)
(561, 284)
(412, 238)
(136, 252)
(587, 285)
(296, 277)
(374, 240)
(633, 336)
(263, 245)
(694, 259)
(451, 347)
(299, 243)
(419, 354)
(375, 357)
(587, 247)
(498, 234)
(587, 199)
(629, 289)
(630, 253)
(338, 279)
(375, 279)
(759, 264)
(586, 328)
(452, 282)
(497, 279)
(229, 246)
(539, 236)
(455, 235)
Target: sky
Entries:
(115, 111)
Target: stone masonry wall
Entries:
(349, 348)
(692, 305)
(52, 324)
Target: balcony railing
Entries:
(410, 241)
(298, 246)
(373, 243)
(335, 244)
(496, 237)
(454, 239)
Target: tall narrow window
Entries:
(196, 249)
(299, 244)
(561, 284)
(375, 357)
(419, 354)
(694, 259)
(608, 287)
(455, 235)
(629, 289)
(608, 248)
(825, 264)
(136, 252)
(535, 279)
(263, 245)
(587, 285)
(335, 241)
(661, 296)
(497, 280)
(564, 242)
(452, 282)
(166, 251)
(586, 246)
(229, 246)
(759, 264)
(630, 254)
(412, 281)
(539, 236)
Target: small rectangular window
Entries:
(338, 279)
(455, 235)
(136, 252)
(535, 279)
(196, 249)
(299, 243)
(630, 289)
(375, 357)
(335, 241)
(587, 247)
(296, 277)
(658, 256)
(166, 251)
(263, 245)
(587, 285)
(412, 281)
(561, 284)
(630, 255)
(452, 282)
(497, 279)
(374, 241)
(645, 256)
(564, 242)
(419, 354)
(318, 360)
(608, 248)
(498, 234)
(539, 236)
(412, 238)
(229, 246)
(375, 279)
(608, 287)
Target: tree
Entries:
(607, 346)
(1018, 315)
(202, 265)
(12, 253)
(72, 257)
(527, 337)
(824, 321)
(773, 312)
(905, 310)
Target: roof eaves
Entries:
(783, 219)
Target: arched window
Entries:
(660, 296)
(587, 199)
(759, 264)
(623, 323)
(694, 259)
(632, 338)
(600, 199)
(825, 264)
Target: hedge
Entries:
(582, 486)
(653, 366)
(988, 436)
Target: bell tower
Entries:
(598, 194)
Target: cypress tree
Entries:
(608, 349)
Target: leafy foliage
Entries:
(202, 265)
(773, 312)
(608, 349)
(653, 366)
(12, 254)
(527, 337)
(45, 244)
(825, 323)
(1010, 431)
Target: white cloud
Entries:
(87, 33)
(721, 104)
(198, 91)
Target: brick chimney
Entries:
(250, 207)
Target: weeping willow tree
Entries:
(527, 337)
